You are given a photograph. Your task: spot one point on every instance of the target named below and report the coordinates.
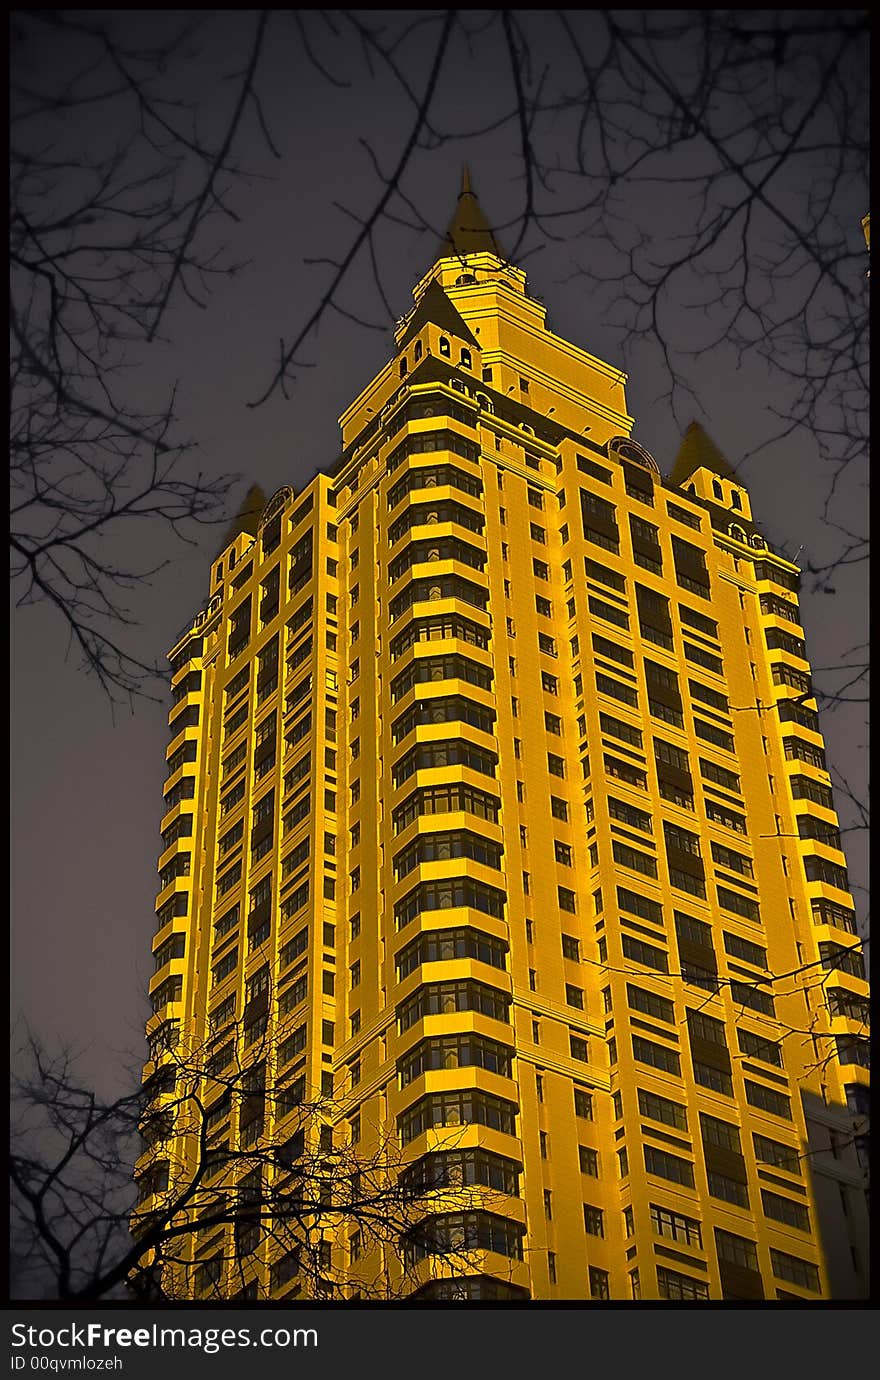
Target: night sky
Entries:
(86, 785)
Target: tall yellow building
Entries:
(497, 814)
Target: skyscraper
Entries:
(498, 817)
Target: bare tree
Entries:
(713, 159)
(114, 194)
(331, 1218)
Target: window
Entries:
(721, 1133)
(667, 1166)
(558, 808)
(795, 1270)
(646, 954)
(844, 960)
(734, 862)
(736, 1250)
(704, 1027)
(700, 657)
(587, 466)
(583, 1104)
(710, 734)
(625, 693)
(672, 1285)
(574, 996)
(440, 998)
(768, 1100)
(639, 905)
(594, 1221)
(618, 728)
(571, 948)
(785, 1210)
(662, 1109)
(631, 857)
(566, 899)
(457, 1108)
(599, 1286)
(549, 683)
(625, 771)
(721, 814)
(630, 815)
(580, 1049)
(699, 621)
(708, 1076)
(676, 1227)
(650, 1004)
(658, 1056)
(589, 1161)
(447, 893)
(226, 923)
(608, 612)
(774, 1152)
(227, 965)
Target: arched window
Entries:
(403, 367)
(717, 490)
(466, 359)
(464, 278)
(735, 501)
(737, 533)
(232, 560)
(758, 542)
(444, 346)
(417, 352)
(484, 402)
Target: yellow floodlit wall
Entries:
(498, 812)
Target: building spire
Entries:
(699, 451)
(469, 231)
(247, 519)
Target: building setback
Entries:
(497, 816)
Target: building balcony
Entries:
(430, 1027)
(189, 732)
(441, 869)
(182, 845)
(169, 969)
(465, 1135)
(176, 884)
(191, 700)
(825, 891)
(839, 977)
(442, 568)
(442, 528)
(456, 1079)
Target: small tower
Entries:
(702, 470)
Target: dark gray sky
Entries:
(86, 788)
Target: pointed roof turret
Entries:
(698, 451)
(435, 306)
(469, 231)
(247, 518)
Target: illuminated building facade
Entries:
(498, 812)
